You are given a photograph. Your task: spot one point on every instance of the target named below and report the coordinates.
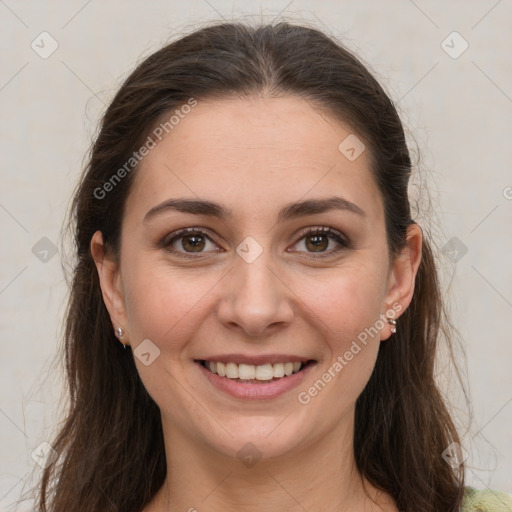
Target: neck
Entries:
(321, 476)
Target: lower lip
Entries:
(249, 391)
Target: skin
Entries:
(254, 156)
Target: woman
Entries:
(243, 226)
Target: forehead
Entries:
(254, 152)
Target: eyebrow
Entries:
(288, 212)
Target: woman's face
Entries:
(253, 283)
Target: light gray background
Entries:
(457, 110)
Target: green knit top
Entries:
(488, 500)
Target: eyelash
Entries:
(322, 230)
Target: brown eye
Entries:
(317, 243)
(194, 243)
(318, 240)
(188, 241)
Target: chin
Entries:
(259, 438)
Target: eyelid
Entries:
(325, 230)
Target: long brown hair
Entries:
(110, 446)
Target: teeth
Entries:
(264, 372)
(232, 371)
(252, 372)
(246, 371)
(279, 370)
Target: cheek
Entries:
(165, 306)
(348, 321)
(162, 303)
(345, 300)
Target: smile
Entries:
(249, 381)
(252, 373)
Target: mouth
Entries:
(252, 374)
(255, 381)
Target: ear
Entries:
(110, 281)
(402, 276)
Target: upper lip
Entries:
(256, 360)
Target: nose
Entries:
(255, 298)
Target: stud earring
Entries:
(120, 334)
(392, 321)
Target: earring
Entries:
(392, 321)
(120, 334)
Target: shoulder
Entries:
(487, 500)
